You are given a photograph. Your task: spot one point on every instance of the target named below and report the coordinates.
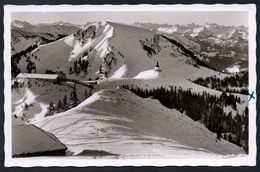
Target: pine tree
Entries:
(79, 62)
(219, 135)
(50, 109)
(70, 72)
(59, 106)
(246, 129)
(238, 141)
(230, 139)
(65, 104)
(29, 67)
(74, 97)
(75, 66)
(225, 136)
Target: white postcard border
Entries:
(249, 160)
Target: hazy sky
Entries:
(232, 18)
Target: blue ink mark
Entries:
(251, 95)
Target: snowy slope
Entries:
(118, 122)
(52, 56)
(126, 40)
(22, 43)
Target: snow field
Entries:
(118, 121)
(53, 56)
(149, 74)
(233, 69)
(120, 72)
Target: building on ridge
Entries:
(157, 67)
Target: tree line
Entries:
(66, 103)
(239, 80)
(206, 108)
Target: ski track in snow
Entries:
(135, 145)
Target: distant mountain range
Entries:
(20, 24)
(24, 24)
(219, 46)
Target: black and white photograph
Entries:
(130, 85)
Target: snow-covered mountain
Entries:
(200, 32)
(239, 34)
(115, 120)
(104, 44)
(167, 30)
(20, 24)
(210, 42)
(24, 34)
